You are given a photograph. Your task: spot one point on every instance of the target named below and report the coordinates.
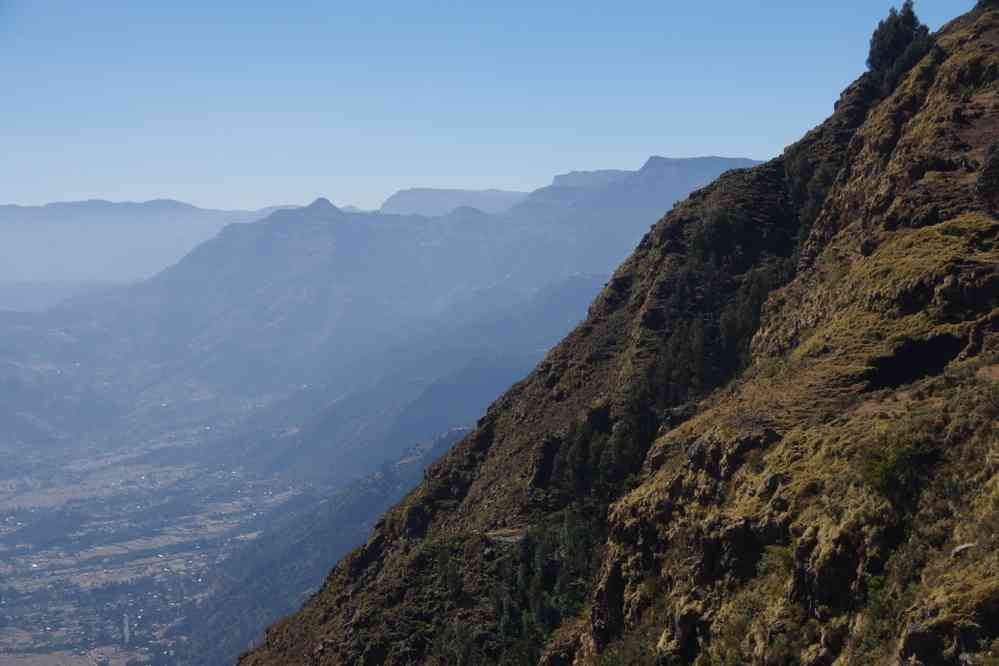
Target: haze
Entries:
(455, 333)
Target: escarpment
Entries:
(772, 441)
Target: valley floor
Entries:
(90, 545)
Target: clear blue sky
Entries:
(245, 104)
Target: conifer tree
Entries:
(898, 43)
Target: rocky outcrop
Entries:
(987, 186)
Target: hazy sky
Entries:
(246, 104)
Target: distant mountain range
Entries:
(438, 202)
(51, 252)
(320, 297)
(95, 241)
(316, 344)
(433, 202)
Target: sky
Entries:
(249, 104)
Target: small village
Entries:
(98, 563)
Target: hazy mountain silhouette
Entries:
(319, 296)
(318, 343)
(88, 241)
(434, 202)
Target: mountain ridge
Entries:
(434, 202)
(771, 441)
(106, 204)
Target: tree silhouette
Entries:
(898, 43)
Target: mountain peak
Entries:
(322, 205)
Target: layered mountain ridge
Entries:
(686, 172)
(310, 348)
(307, 296)
(772, 441)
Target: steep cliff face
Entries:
(772, 441)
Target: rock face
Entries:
(988, 180)
(764, 444)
